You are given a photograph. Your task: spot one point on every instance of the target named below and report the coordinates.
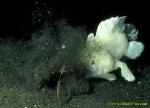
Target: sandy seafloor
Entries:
(104, 94)
(31, 56)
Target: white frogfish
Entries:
(113, 40)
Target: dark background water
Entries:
(15, 14)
